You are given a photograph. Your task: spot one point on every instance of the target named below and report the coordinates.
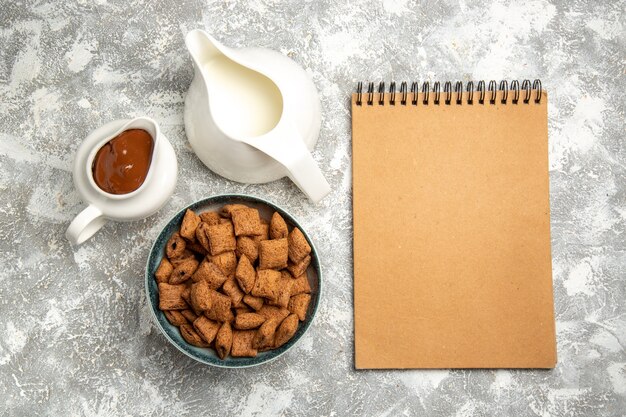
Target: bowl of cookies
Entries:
(233, 281)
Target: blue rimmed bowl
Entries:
(171, 332)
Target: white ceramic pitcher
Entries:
(253, 115)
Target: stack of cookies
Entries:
(233, 282)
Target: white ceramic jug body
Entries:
(250, 160)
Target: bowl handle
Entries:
(85, 225)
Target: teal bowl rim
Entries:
(172, 334)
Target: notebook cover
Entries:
(452, 263)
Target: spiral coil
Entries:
(450, 94)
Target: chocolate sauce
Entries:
(122, 164)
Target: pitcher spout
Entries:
(201, 46)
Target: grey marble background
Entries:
(76, 337)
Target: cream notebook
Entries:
(452, 263)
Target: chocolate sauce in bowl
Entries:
(122, 164)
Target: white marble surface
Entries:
(76, 337)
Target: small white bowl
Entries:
(141, 203)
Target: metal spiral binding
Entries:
(447, 88)
(415, 91)
(490, 92)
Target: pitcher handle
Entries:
(85, 225)
(286, 146)
(307, 175)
